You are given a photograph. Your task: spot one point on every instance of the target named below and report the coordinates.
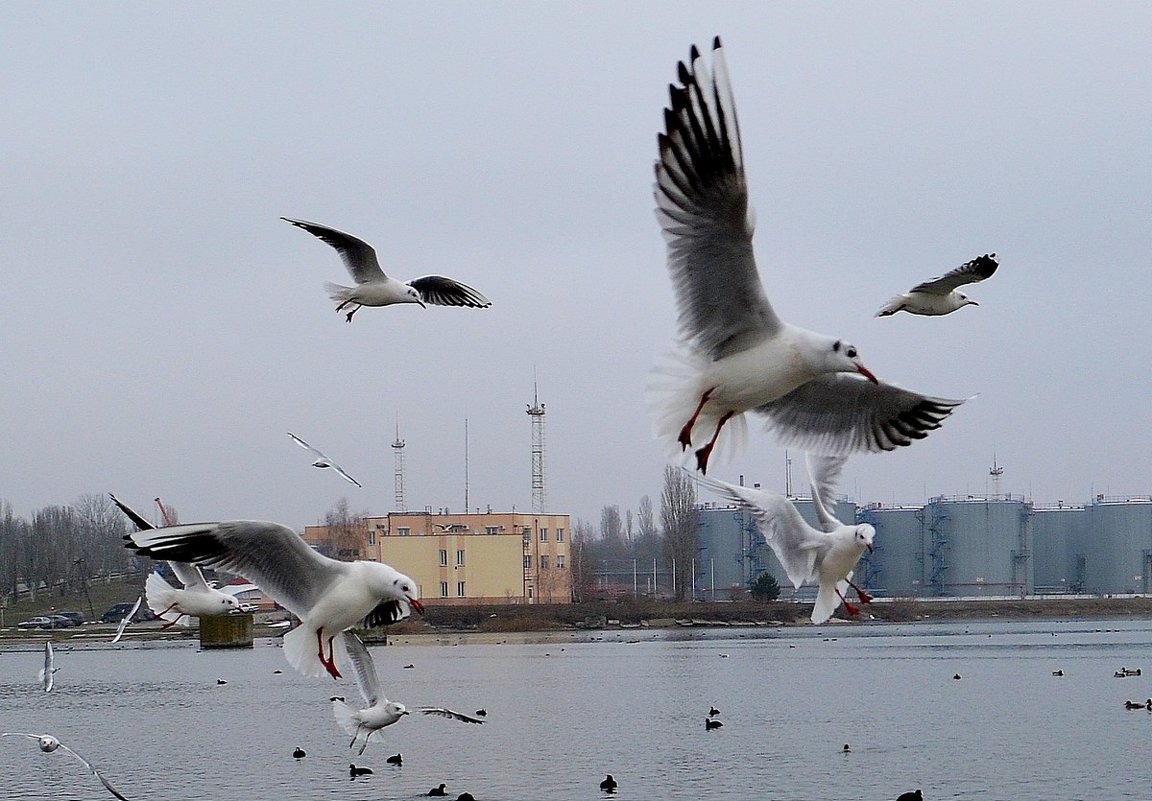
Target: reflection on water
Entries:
(564, 712)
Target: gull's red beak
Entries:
(864, 371)
(415, 604)
(869, 546)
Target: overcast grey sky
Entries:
(163, 329)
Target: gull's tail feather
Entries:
(160, 595)
(673, 394)
(340, 294)
(891, 307)
(346, 717)
(827, 599)
(302, 652)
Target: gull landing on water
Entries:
(374, 288)
(48, 744)
(323, 461)
(735, 354)
(940, 295)
(827, 555)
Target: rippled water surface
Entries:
(563, 713)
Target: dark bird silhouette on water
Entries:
(710, 724)
(713, 712)
(354, 771)
(438, 790)
(395, 759)
(609, 784)
(299, 753)
(914, 795)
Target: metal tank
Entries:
(1057, 533)
(895, 568)
(727, 554)
(1115, 551)
(978, 547)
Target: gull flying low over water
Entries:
(735, 355)
(940, 295)
(44, 675)
(328, 596)
(127, 619)
(380, 712)
(374, 288)
(825, 555)
(323, 461)
(48, 744)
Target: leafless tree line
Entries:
(62, 547)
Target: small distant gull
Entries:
(940, 295)
(328, 596)
(127, 619)
(734, 355)
(48, 744)
(323, 461)
(439, 790)
(609, 784)
(354, 771)
(914, 795)
(44, 675)
(379, 711)
(170, 604)
(825, 555)
(374, 288)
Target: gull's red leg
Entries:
(865, 598)
(703, 454)
(849, 608)
(685, 438)
(329, 663)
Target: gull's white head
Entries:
(842, 357)
(965, 300)
(229, 603)
(403, 588)
(864, 535)
(414, 296)
(395, 709)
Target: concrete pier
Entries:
(226, 631)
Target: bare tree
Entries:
(678, 517)
(101, 531)
(14, 541)
(580, 554)
(647, 544)
(347, 532)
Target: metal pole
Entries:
(653, 576)
(635, 585)
(712, 570)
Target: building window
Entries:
(527, 561)
(443, 589)
(460, 558)
(491, 529)
(559, 535)
(403, 531)
(543, 561)
(543, 535)
(559, 561)
(460, 589)
(443, 558)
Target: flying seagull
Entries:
(826, 555)
(940, 295)
(127, 619)
(374, 288)
(44, 675)
(734, 354)
(328, 596)
(323, 461)
(379, 712)
(48, 744)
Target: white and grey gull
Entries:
(322, 461)
(734, 355)
(374, 287)
(48, 744)
(941, 295)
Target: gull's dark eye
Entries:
(836, 346)
(851, 352)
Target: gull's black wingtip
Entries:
(716, 45)
(693, 53)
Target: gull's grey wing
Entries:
(358, 256)
(702, 206)
(127, 619)
(448, 713)
(45, 675)
(345, 476)
(363, 669)
(840, 414)
(271, 556)
(136, 518)
(306, 446)
(189, 575)
(107, 784)
(969, 272)
(796, 544)
(441, 291)
(824, 472)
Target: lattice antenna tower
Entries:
(996, 471)
(398, 474)
(536, 412)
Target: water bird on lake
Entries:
(1137, 705)
(395, 759)
(914, 795)
(734, 355)
(45, 674)
(327, 595)
(1058, 672)
(608, 784)
(48, 744)
(221, 681)
(379, 712)
(323, 461)
(481, 713)
(120, 629)
(299, 753)
(374, 288)
(713, 711)
(437, 791)
(465, 797)
(941, 295)
(712, 723)
(956, 677)
(847, 749)
(354, 771)
(827, 555)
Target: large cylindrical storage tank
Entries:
(895, 568)
(978, 547)
(1057, 532)
(724, 551)
(1117, 546)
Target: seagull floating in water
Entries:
(48, 744)
(379, 712)
(940, 295)
(323, 461)
(735, 355)
(825, 555)
(374, 288)
(328, 596)
(44, 675)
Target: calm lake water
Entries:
(563, 713)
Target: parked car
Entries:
(116, 612)
(35, 623)
(60, 622)
(75, 617)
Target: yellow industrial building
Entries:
(491, 558)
